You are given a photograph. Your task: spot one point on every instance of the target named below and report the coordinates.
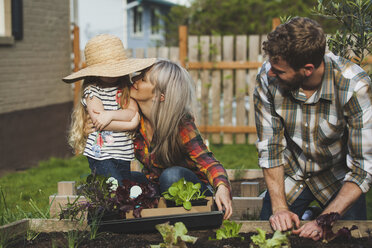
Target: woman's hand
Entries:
(223, 200)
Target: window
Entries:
(11, 21)
(155, 21)
(137, 20)
(6, 22)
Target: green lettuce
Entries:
(173, 236)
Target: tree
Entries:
(209, 17)
(354, 19)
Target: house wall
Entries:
(146, 40)
(34, 103)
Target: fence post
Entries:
(275, 22)
(76, 49)
(182, 39)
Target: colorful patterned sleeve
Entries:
(203, 158)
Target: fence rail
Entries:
(224, 69)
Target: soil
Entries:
(112, 240)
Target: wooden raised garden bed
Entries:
(54, 231)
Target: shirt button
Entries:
(301, 186)
(306, 145)
(306, 124)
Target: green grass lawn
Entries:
(40, 182)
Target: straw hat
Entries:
(105, 57)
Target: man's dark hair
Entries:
(299, 41)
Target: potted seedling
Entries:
(184, 193)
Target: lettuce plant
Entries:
(326, 221)
(182, 192)
(278, 240)
(173, 236)
(229, 229)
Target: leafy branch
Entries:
(355, 21)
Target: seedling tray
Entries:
(192, 221)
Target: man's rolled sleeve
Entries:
(359, 158)
(270, 131)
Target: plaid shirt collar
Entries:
(326, 91)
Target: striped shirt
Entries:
(323, 140)
(103, 145)
(197, 156)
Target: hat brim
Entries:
(112, 69)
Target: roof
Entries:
(161, 2)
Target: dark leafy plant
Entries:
(173, 236)
(182, 192)
(354, 20)
(124, 202)
(278, 240)
(229, 229)
(103, 195)
(326, 222)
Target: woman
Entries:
(167, 142)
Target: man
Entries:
(314, 127)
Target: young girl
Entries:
(105, 98)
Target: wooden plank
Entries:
(182, 43)
(162, 210)
(227, 129)
(66, 188)
(58, 202)
(174, 54)
(205, 81)
(228, 65)
(14, 229)
(254, 46)
(163, 52)
(249, 189)
(275, 22)
(227, 52)
(140, 53)
(193, 56)
(235, 174)
(56, 225)
(216, 87)
(246, 208)
(240, 86)
(152, 52)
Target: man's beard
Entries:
(288, 86)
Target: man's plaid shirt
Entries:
(323, 140)
(197, 157)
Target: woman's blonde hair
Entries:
(173, 83)
(77, 137)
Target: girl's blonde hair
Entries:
(175, 84)
(77, 137)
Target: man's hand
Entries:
(223, 200)
(283, 219)
(309, 230)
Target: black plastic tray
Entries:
(192, 221)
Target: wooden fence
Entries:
(224, 69)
